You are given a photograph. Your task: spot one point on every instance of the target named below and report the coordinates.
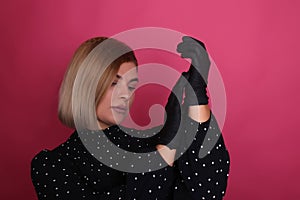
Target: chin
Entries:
(117, 121)
(118, 118)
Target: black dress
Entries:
(70, 171)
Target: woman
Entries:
(77, 168)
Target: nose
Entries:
(124, 92)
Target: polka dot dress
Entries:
(70, 171)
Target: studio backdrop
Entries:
(255, 48)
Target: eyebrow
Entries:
(120, 77)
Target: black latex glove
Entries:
(198, 72)
(174, 113)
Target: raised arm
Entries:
(204, 160)
(196, 98)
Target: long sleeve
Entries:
(55, 178)
(71, 172)
(203, 177)
(194, 177)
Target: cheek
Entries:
(131, 99)
(105, 103)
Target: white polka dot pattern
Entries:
(71, 172)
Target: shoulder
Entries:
(46, 158)
(42, 167)
(44, 162)
(44, 155)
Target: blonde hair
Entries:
(90, 61)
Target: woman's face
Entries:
(116, 102)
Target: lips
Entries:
(120, 109)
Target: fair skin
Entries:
(117, 101)
(199, 113)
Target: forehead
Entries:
(127, 69)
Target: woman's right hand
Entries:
(198, 72)
(196, 51)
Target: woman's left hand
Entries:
(170, 133)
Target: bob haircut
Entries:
(80, 60)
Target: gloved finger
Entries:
(174, 112)
(190, 39)
(193, 54)
(183, 47)
(195, 57)
(178, 87)
(191, 48)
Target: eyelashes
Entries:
(131, 88)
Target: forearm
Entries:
(199, 113)
(166, 153)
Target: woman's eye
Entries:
(131, 88)
(114, 83)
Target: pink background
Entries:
(254, 43)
